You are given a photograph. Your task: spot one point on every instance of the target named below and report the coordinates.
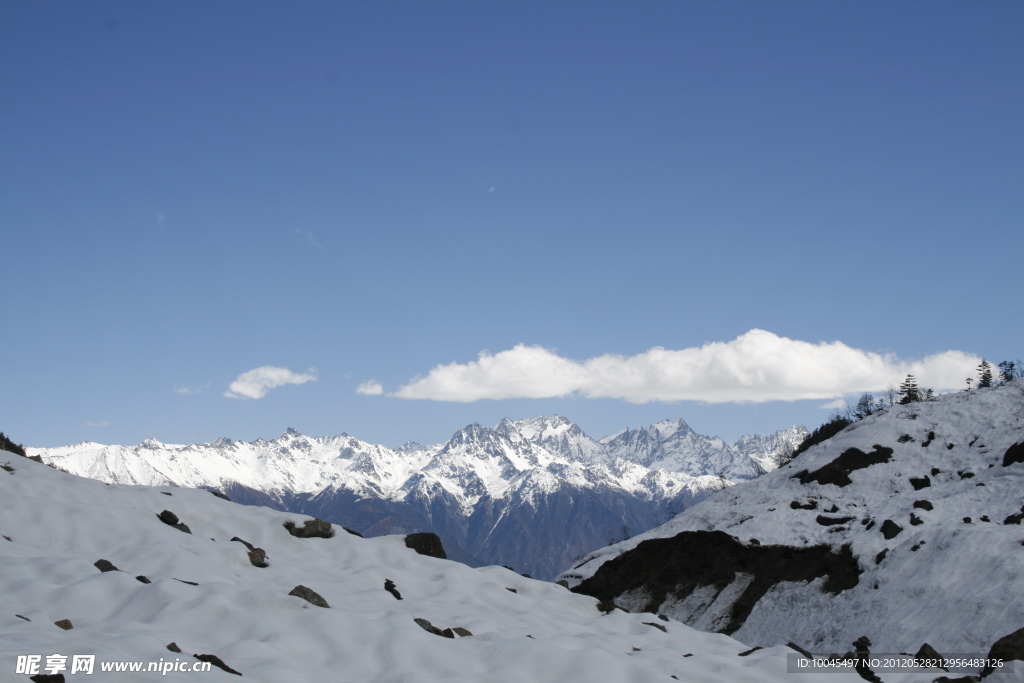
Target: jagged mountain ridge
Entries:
(488, 491)
(905, 527)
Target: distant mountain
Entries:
(905, 527)
(533, 494)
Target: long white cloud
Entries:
(257, 382)
(753, 368)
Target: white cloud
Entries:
(98, 423)
(838, 404)
(256, 383)
(753, 368)
(370, 388)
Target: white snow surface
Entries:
(55, 526)
(657, 462)
(957, 586)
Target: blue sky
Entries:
(363, 192)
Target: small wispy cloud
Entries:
(838, 404)
(309, 237)
(753, 368)
(185, 391)
(160, 221)
(97, 423)
(256, 383)
(370, 388)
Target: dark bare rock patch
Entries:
(173, 647)
(920, 482)
(390, 587)
(105, 566)
(430, 628)
(1008, 648)
(657, 626)
(926, 651)
(890, 529)
(171, 519)
(309, 595)
(1014, 454)
(142, 579)
(813, 505)
(923, 505)
(831, 521)
(675, 567)
(881, 556)
(838, 471)
(217, 662)
(426, 543)
(64, 624)
(313, 528)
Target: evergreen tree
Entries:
(909, 393)
(865, 406)
(984, 374)
(1007, 370)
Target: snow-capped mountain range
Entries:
(905, 527)
(532, 493)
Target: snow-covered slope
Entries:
(905, 527)
(202, 593)
(488, 491)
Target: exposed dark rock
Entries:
(426, 543)
(354, 533)
(21, 617)
(906, 438)
(750, 651)
(173, 647)
(754, 541)
(936, 470)
(217, 662)
(917, 546)
(1014, 519)
(258, 558)
(967, 520)
(663, 617)
(926, 651)
(563, 583)
(985, 518)
(464, 632)
(838, 471)
(310, 596)
(813, 505)
(607, 606)
(7, 468)
(427, 626)
(511, 590)
(831, 521)
(105, 566)
(870, 525)
(218, 494)
(1009, 647)
(312, 528)
(1014, 453)
(142, 579)
(165, 493)
(171, 519)
(928, 441)
(833, 509)
(920, 482)
(657, 626)
(881, 556)
(47, 678)
(962, 679)
(950, 446)
(248, 545)
(916, 521)
(64, 624)
(924, 505)
(191, 583)
(8, 538)
(675, 567)
(964, 474)
(390, 587)
(890, 529)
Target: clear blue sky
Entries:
(192, 190)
